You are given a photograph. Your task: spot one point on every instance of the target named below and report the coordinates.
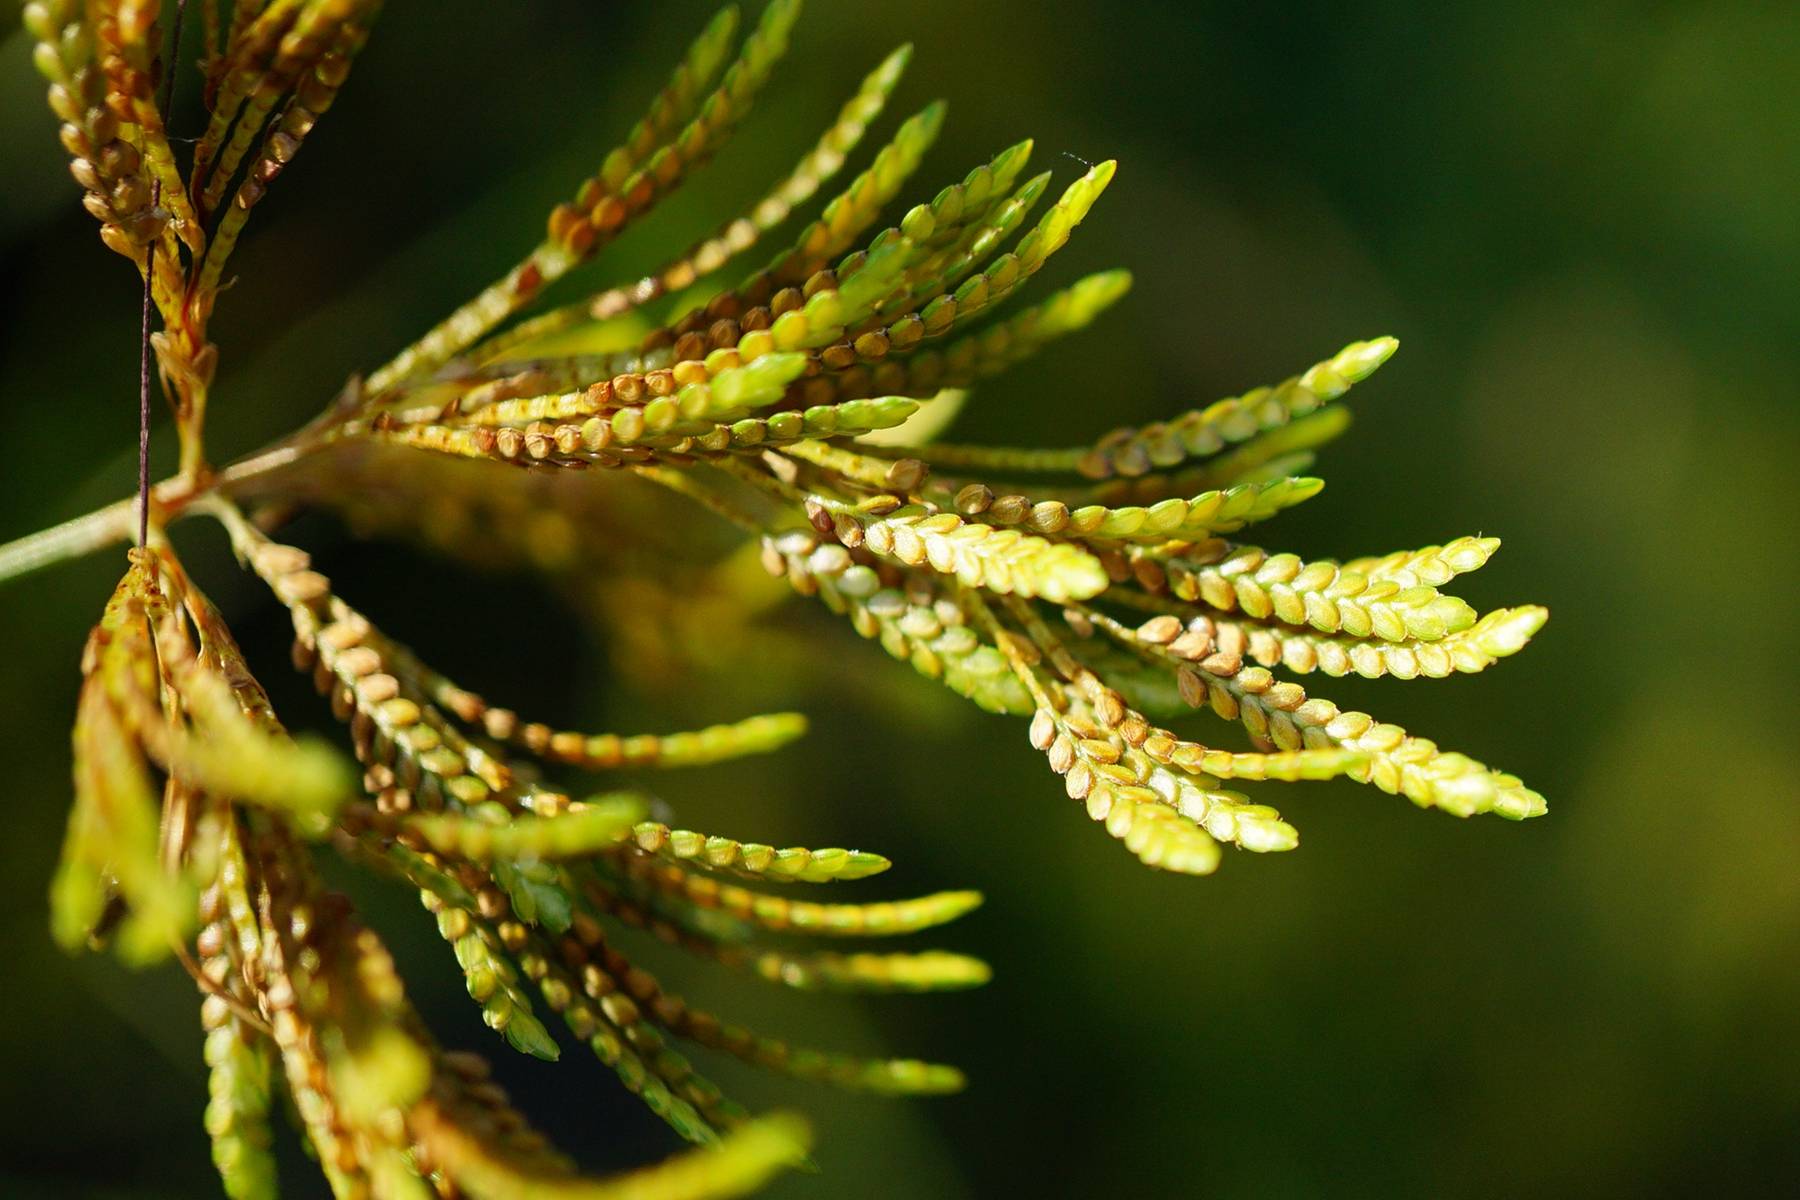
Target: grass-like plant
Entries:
(1097, 590)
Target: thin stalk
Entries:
(143, 496)
(168, 500)
(171, 70)
(72, 539)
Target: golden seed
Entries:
(1009, 510)
(906, 474)
(1160, 630)
(1222, 664)
(1049, 516)
(974, 499)
(1192, 686)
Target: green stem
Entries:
(115, 523)
(72, 539)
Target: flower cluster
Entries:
(1098, 591)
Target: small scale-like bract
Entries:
(1100, 592)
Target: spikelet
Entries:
(1209, 430)
(768, 294)
(239, 1059)
(596, 1012)
(1494, 636)
(932, 971)
(982, 556)
(312, 61)
(493, 983)
(1285, 450)
(924, 370)
(1172, 520)
(616, 1029)
(105, 158)
(657, 155)
(1087, 744)
(741, 1163)
(1433, 566)
(1324, 595)
(642, 992)
(628, 439)
(779, 914)
(792, 864)
(111, 871)
(1213, 674)
(947, 299)
(946, 252)
(740, 234)
(488, 832)
(1007, 343)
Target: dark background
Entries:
(1580, 222)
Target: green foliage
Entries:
(1087, 588)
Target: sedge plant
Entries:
(1099, 592)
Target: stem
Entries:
(192, 393)
(193, 448)
(71, 539)
(113, 524)
(464, 327)
(172, 67)
(143, 499)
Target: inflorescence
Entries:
(1099, 591)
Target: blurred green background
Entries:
(1580, 222)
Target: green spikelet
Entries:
(1171, 520)
(716, 743)
(237, 1112)
(1004, 274)
(851, 211)
(1006, 343)
(929, 972)
(1209, 430)
(1161, 837)
(740, 1164)
(946, 250)
(1496, 635)
(1397, 763)
(675, 104)
(631, 180)
(737, 236)
(489, 831)
(1431, 567)
(111, 873)
(494, 985)
(779, 914)
(1324, 595)
(617, 1008)
(612, 1026)
(792, 864)
(884, 1076)
(1000, 560)
(1284, 450)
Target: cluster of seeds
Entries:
(102, 156)
(517, 875)
(906, 612)
(1328, 597)
(1208, 431)
(801, 402)
(1212, 672)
